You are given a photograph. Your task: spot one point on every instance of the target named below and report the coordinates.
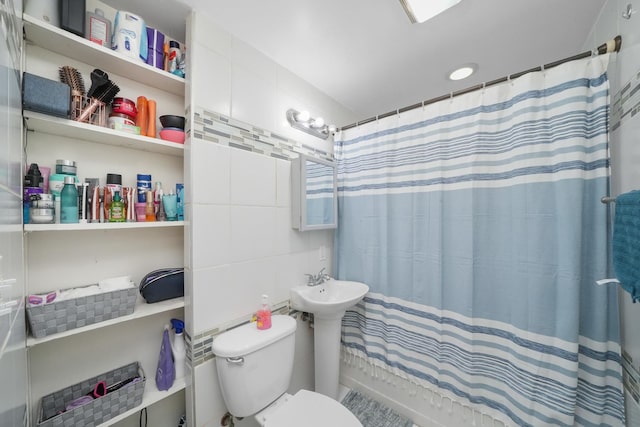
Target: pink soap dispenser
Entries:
(263, 317)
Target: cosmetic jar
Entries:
(56, 182)
(41, 201)
(124, 106)
(41, 215)
(122, 119)
(66, 167)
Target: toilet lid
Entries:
(310, 409)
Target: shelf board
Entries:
(142, 309)
(101, 226)
(85, 131)
(151, 396)
(65, 43)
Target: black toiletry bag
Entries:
(162, 284)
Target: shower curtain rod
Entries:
(608, 47)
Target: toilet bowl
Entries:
(254, 370)
(306, 408)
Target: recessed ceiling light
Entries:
(463, 71)
(422, 10)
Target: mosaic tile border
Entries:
(626, 103)
(218, 128)
(199, 347)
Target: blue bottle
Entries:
(69, 201)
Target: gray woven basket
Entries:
(74, 313)
(98, 410)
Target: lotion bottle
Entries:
(263, 317)
(179, 351)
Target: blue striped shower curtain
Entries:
(478, 226)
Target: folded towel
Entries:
(626, 242)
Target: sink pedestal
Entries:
(328, 302)
(326, 352)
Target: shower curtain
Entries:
(477, 224)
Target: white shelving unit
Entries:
(59, 41)
(101, 226)
(142, 309)
(140, 328)
(151, 396)
(101, 135)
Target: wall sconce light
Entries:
(303, 121)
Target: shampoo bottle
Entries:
(264, 314)
(178, 348)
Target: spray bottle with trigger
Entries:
(178, 348)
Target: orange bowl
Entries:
(172, 135)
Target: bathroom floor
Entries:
(370, 412)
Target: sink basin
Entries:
(330, 299)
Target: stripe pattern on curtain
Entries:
(477, 224)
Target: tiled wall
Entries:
(239, 243)
(624, 69)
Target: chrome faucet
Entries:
(318, 279)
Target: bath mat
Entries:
(372, 413)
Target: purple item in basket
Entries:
(155, 40)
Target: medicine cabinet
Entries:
(314, 199)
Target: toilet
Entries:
(254, 369)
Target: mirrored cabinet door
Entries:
(314, 193)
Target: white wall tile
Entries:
(215, 70)
(210, 405)
(211, 236)
(248, 281)
(253, 232)
(291, 270)
(288, 240)
(212, 36)
(250, 59)
(252, 179)
(209, 173)
(252, 98)
(211, 287)
(283, 183)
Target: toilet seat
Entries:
(309, 409)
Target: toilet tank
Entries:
(254, 366)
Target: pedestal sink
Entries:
(328, 303)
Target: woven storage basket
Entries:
(74, 313)
(98, 410)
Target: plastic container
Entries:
(263, 317)
(41, 215)
(66, 167)
(122, 119)
(172, 135)
(130, 35)
(178, 347)
(140, 212)
(124, 106)
(98, 28)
